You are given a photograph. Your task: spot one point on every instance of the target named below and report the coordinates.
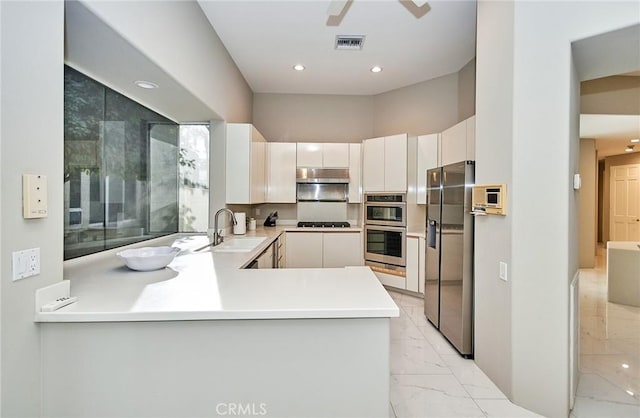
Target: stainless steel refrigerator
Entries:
(448, 293)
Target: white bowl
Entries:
(148, 258)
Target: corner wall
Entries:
(423, 108)
(541, 244)
(31, 132)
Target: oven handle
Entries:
(402, 229)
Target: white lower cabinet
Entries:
(265, 261)
(340, 249)
(415, 264)
(304, 249)
(323, 249)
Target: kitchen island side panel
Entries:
(295, 368)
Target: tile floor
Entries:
(609, 382)
(430, 379)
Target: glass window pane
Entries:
(194, 178)
(121, 176)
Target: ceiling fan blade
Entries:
(418, 8)
(337, 10)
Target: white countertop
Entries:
(207, 285)
(624, 245)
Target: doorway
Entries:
(624, 203)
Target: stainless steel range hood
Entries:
(322, 184)
(322, 175)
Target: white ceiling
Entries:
(266, 38)
(611, 132)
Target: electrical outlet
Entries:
(25, 263)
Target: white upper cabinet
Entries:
(335, 155)
(458, 142)
(373, 165)
(309, 155)
(395, 163)
(245, 164)
(355, 173)
(281, 172)
(384, 164)
(428, 157)
(327, 155)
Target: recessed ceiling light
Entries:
(630, 392)
(145, 84)
(298, 67)
(635, 140)
(629, 148)
(625, 366)
(376, 69)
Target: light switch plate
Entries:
(25, 263)
(503, 271)
(34, 196)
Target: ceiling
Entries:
(611, 132)
(267, 38)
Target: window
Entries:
(126, 168)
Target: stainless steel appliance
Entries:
(386, 245)
(385, 209)
(385, 232)
(448, 299)
(324, 224)
(322, 184)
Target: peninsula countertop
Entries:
(210, 285)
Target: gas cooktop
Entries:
(324, 224)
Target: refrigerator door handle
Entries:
(431, 234)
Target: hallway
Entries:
(609, 382)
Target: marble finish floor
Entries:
(430, 379)
(609, 381)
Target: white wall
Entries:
(617, 95)
(542, 144)
(494, 149)
(31, 135)
(588, 202)
(313, 117)
(427, 107)
(422, 108)
(177, 36)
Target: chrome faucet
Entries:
(217, 236)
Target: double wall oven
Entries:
(385, 229)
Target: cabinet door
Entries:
(341, 249)
(304, 250)
(265, 261)
(453, 144)
(413, 264)
(281, 169)
(428, 158)
(258, 157)
(395, 163)
(238, 161)
(373, 165)
(355, 173)
(309, 155)
(471, 138)
(335, 155)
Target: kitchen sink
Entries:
(238, 245)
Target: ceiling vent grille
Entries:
(349, 42)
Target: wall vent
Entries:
(350, 42)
